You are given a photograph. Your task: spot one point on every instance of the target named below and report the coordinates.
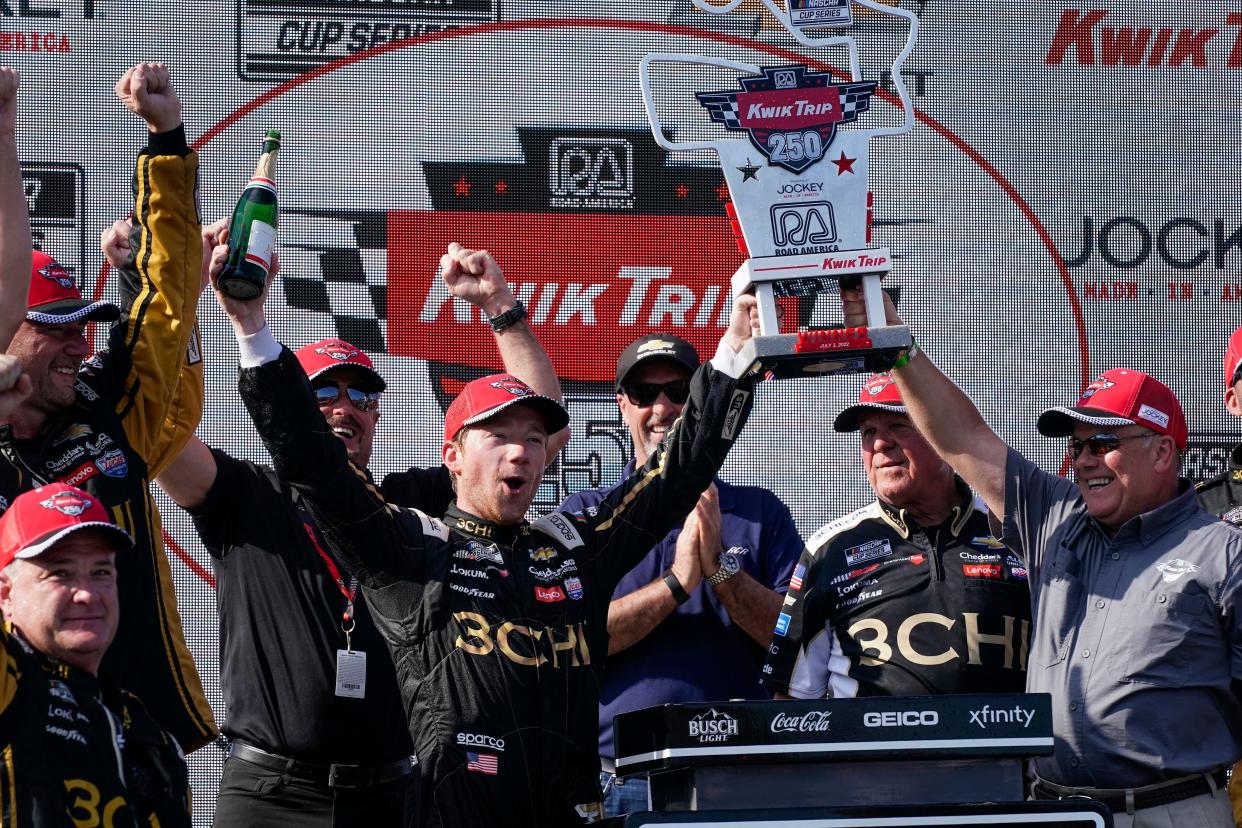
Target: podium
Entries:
(922, 760)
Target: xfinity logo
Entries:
(713, 726)
(994, 715)
(813, 721)
(902, 718)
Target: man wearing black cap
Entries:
(497, 626)
(110, 423)
(910, 595)
(1136, 591)
(318, 729)
(692, 620)
(76, 748)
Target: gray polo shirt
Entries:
(1136, 637)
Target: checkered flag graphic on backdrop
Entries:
(334, 275)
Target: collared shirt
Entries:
(880, 606)
(1222, 495)
(1137, 637)
(697, 653)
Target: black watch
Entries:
(509, 318)
(674, 586)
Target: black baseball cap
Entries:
(656, 346)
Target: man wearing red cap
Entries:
(316, 722)
(1134, 587)
(1222, 495)
(76, 748)
(109, 423)
(909, 595)
(497, 627)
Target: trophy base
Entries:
(827, 352)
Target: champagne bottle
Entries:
(252, 232)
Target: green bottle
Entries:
(252, 233)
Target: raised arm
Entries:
(14, 216)
(474, 276)
(159, 279)
(943, 414)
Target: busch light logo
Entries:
(806, 228)
(813, 721)
(713, 726)
(790, 113)
(112, 463)
(591, 173)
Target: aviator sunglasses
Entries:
(361, 400)
(1100, 444)
(646, 393)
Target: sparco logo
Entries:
(713, 726)
(901, 718)
(480, 740)
(813, 721)
(989, 715)
(586, 173)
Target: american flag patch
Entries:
(482, 763)
(796, 581)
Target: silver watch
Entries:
(729, 566)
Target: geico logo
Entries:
(901, 718)
(480, 739)
(882, 651)
(981, 557)
(1181, 243)
(521, 644)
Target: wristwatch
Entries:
(509, 318)
(729, 566)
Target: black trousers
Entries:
(255, 797)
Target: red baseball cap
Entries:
(488, 396)
(41, 517)
(879, 394)
(55, 298)
(326, 354)
(1121, 397)
(1233, 356)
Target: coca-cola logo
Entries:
(813, 721)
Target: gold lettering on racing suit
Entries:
(84, 811)
(477, 639)
(883, 652)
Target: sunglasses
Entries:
(1100, 444)
(646, 393)
(361, 400)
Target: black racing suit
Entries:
(75, 750)
(879, 606)
(1222, 495)
(498, 633)
(138, 401)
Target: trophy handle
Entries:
(848, 42)
(657, 129)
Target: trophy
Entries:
(798, 191)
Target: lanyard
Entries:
(350, 592)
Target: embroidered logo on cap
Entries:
(67, 503)
(56, 272)
(338, 350)
(514, 386)
(1153, 415)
